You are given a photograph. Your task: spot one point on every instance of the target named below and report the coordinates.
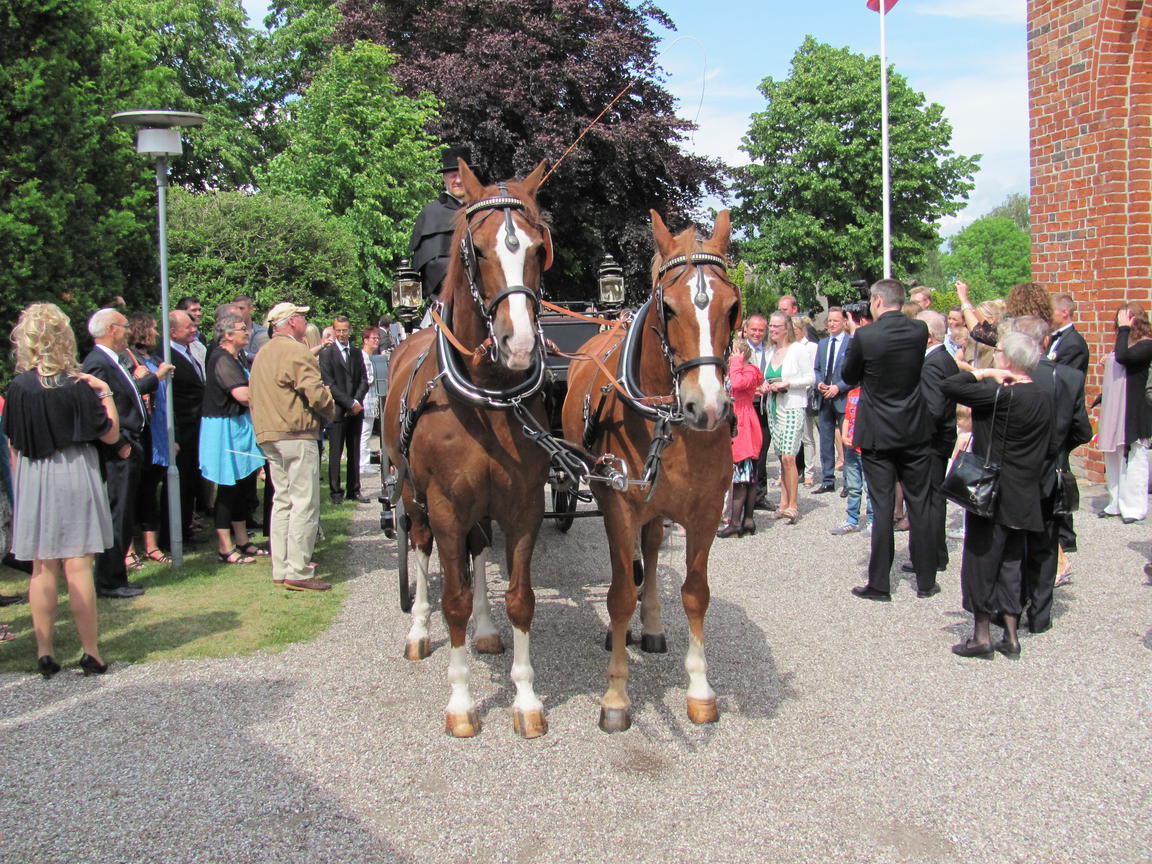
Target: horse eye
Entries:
(669, 312)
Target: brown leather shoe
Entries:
(306, 585)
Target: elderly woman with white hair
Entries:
(1013, 415)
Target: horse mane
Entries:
(685, 245)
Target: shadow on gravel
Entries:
(172, 771)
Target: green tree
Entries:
(75, 209)
(811, 197)
(270, 247)
(190, 55)
(991, 255)
(358, 148)
(1016, 208)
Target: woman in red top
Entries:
(744, 378)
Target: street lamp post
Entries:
(158, 136)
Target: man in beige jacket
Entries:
(288, 400)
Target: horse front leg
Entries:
(484, 634)
(652, 639)
(528, 717)
(461, 719)
(615, 706)
(694, 594)
(418, 644)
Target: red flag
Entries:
(874, 5)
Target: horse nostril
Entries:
(690, 409)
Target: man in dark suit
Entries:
(342, 368)
(122, 460)
(431, 243)
(1067, 348)
(893, 430)
(1070, 428)
(187, 400)
(938, 365)
(830, 353)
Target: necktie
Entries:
(831, 359)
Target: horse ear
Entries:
(473, 188)
(532, 181)
(722, 231)
(547, 244)
(661, 234)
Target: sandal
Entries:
(132, 562)
(235, 556)
(158, 556)
(6, 635)
(254, 549)
(1062, 579)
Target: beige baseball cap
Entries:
(282, 312)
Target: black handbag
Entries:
(1065, 497)
(973, 482)
(815, 400)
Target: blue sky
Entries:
(968, 55)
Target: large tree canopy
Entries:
(811, 197)
(519, 80)
(991, 255)
(358, 148)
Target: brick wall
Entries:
(1090, 82)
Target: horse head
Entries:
(697, 310)
(506, 246)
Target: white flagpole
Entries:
(887, 180)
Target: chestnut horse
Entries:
(454, 424)
(666, 416)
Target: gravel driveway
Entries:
(848, 730)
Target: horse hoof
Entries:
(703, 710)
(462, 725)
(615, 720)
(529, 724)
(418, 649)
(628, 640)
(654, 643)
(490, 644)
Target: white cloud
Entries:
(1010, 11)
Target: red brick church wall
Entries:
(1090, 83)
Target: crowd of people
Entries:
(895, 390)
(87, 493)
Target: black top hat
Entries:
(449, 155)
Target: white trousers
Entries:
(1127, 481)
(365, 437)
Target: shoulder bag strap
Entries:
(992, 431)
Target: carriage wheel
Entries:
(564, 501)
(402, 523)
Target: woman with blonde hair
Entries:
(60, 518)
(788, 372)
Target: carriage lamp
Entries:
(158, 136)
(611, 279)
(407, 295)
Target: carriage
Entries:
(475, 437)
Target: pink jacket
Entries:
(744, 378)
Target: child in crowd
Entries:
(853, 471)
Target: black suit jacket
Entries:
(885, 358)
(1070, 424)
(939, 365)
(1072, 350)
(348, 382)
(124, 394)
(431, 244)
(187, 394)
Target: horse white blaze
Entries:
(522, 673)
(708, 377)
(481, 609)
(461, 701)
(421, 609)
(523, 338)
(697, 668)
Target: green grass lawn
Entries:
(203, 609)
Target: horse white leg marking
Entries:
(484, 635)
(461, 719)
(697, 667)
(523, 675)
(418, 642)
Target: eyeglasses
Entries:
(241, 329)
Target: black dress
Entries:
(991, 571)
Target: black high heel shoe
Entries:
(89, 666)
(47, 666)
